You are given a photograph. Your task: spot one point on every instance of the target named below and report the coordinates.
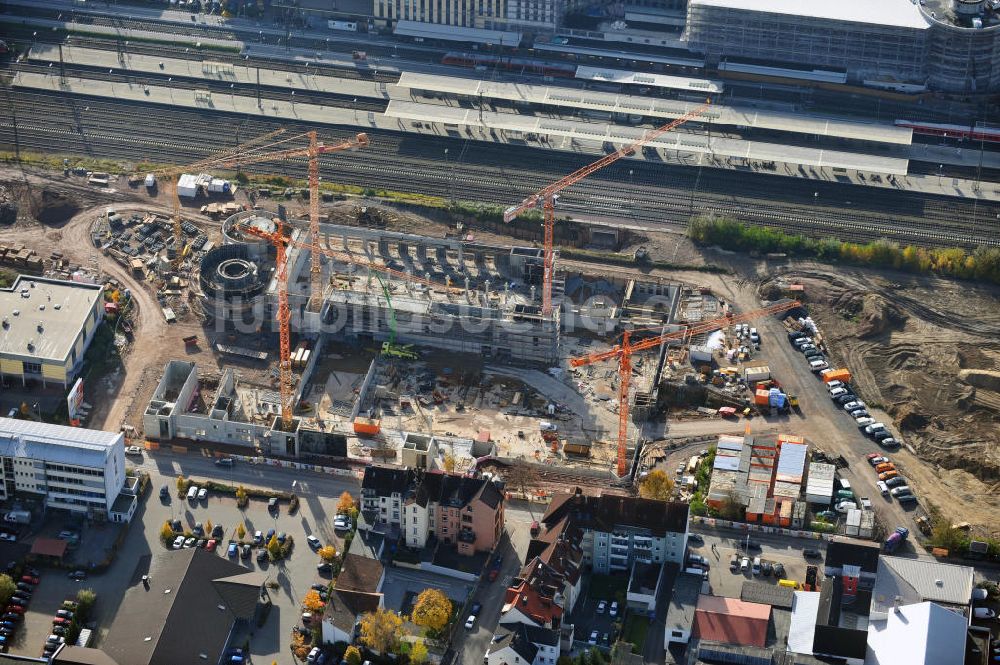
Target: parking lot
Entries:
(589, 615)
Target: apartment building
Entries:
(617, 531)
(67, 468)
(412, 505)
(46, 329)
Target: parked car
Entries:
(64, 614)
(218, 531)
(856, 404)
(888, 474)
(178, 542)
(744, 564)
(341, 523)
(779, 571)
(470, 622)
(133, 450)
(901, 490)
(78, 575)
(864, 421)
(476, 608)
(811, 553)
(314, 542)
(859, 413)
(895, 481)
(767, 568)
(888, 442)
(866, 503)
(817, 366)
(164, 492)
(189, 543)
(202, 494)
(806, 347)
(210, 545)
(614, 609)
(232, 551)
(734, 563)
(875, 459)
(756, 566)
(875, 427)
(258, 538)
(29, 579)
(593, 638)
(324, 568)
(601, 606)
(695, 538)
(830, 385)
(814, 354)
(272, 504)
(837, 392)
(883, 489)
(885, 466)
(245, 552)
(261, 555)
(846, 398)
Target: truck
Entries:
(896, 538)
(343, 26)
(842, 375)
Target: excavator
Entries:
(389, 348)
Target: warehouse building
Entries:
(47, 326)
(68, 468)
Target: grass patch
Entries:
(607, 587)
(7, 278)
(634, 631)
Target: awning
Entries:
(453, 33)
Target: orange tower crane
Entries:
(280, 242)
(547, 196)
(623, 354)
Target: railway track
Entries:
(654, 196)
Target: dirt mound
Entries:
(981, 378)
(53, 208)
(877, 316)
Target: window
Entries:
(32, 368)
(676, 633)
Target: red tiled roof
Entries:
(49, 547)
(531, 603)
(731, 621)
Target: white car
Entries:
(601, 606)
(852, 406)
(806, 347)
(834, 384)
(313, 542)
(844, 506)
(178, 542)
(864, 421)
(874, 427)
(593, 638)
(837, 392)
(614, 609)
(888, 443)
(133, 450)
(983, 613)
(859, 413)
(202, 494)
(817, 365)
(341, 523)
(470, 622)
(883, 489)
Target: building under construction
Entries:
(449, 294)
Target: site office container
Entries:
(843, 375)
(761, 397)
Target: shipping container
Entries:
(367, 426)
(843, 375)
(754, 374)
(761, 397)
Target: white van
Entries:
(845, 484)
(193, 493)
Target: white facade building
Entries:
(69, 468)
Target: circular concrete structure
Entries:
(234, 282)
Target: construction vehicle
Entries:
(896, 538)
(623, 354)
(546, 198)
(389, 347)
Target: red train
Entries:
(510, 63)
(954, 131)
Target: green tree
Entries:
(432, 610)
(656, 485)
(352, 655)
(381, 630)
(7, 589)
(418, 653)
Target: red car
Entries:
(873, 455)
(59, 621)
(210, 545)
(17, 609)
(28, 579)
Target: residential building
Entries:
(731, 621)
(523, 644)
(415, 504)
(343, 611)
(185, 610)
(47, 326)
(360, 573)
(645, 584)
(529, 602)
(554, 560)
(67, 468)
(620, 530)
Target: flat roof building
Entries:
(47, 326)
(69, 468)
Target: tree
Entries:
(381, 630)
(274, 548)
(7, 589)
(85, 599)
(345, 504)
(432, 610)
(242, 498)
(182, 486)
(449, 462)
(209, 527)
(352, 655)
(241, 531)
(656, 485)
(167, 532)
(328, 553)
(418, 653)
(731, 508)
(521, 476)
(312, 602)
